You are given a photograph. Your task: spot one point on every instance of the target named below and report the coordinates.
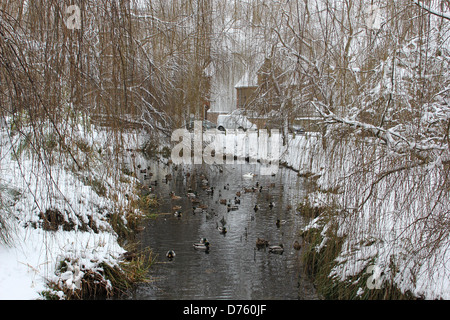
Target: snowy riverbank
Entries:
(388, 219)
(56, 212)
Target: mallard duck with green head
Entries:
(203, 246)
(197, 210)
(178, 214)
(222, 230)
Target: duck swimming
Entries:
(280, 222)
(178, 214)
(202, 246)
(197, 210)
(261, 243)
(170, 254)
(297, 245)
(256, 207)
(271, 204)
(191, 194)
(173, 196)
(222, 230)
(248, 175)
(276, 249)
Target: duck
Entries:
(197, 210)
(271, 204)
(195, 200)
(231, 207)
(255, 207)
(222, 230)
(202, 246)
(248, 175)
(297, 245)
(210, 190)
(280, 222)
(238, 194)
(226, 187)
(173, 196)
(261, 188)
(276, 249)
(176, 208)
(261, 243)
(191, 194)
(223, 201)
(237, 201)
(170, 254)
(202, 206)
(178, 214)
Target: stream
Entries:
(233, 268)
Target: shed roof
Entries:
(248, 80)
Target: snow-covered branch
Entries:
(431, 11)
(393, 139)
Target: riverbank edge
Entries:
(80, 243)
(322, 246)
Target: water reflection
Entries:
(233, 268)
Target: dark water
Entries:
(233, 268)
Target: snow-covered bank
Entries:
(58, 213)
(33, 260)
(390, 214)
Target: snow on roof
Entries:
(248, 80)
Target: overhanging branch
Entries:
(431, 11)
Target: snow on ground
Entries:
(26, 266)
(33, 256)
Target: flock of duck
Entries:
(231, 204)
